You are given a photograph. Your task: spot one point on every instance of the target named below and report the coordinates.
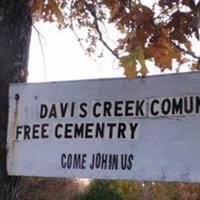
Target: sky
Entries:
(56, 55)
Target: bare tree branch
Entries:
(76, 34)
(192, 54)
(92, 11)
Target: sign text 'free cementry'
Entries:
(143, 129)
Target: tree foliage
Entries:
(163, 32)
(100, 190)
(134, 190)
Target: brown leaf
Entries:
(179, 26)
(37, 10)
(170, 4)
(195, 67)
(189, 3)
(163, 53)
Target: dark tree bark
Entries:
(15, 32)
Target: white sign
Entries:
(143, 129)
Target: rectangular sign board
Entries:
(141, 129)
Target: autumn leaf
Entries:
(180, 26)
(140, 57)
(36, 10)
(168, 3)
(129, 63)
(56, 10)
(195, 67)
(163, 53)
(188, 3)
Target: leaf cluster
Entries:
(164, 33)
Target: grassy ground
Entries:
(49, 188)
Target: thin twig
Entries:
(76, 34)
(77, 37)
(185, 51)
(42, 51)
(93, 13)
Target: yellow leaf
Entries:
(140, 57)
(129, 65)
(130, 62)
(56, 10)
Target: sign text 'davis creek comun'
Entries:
(97, 114)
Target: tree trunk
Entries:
(15, 33)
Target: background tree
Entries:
(163, 33)
(133, 190)
(15, 32)
(100, 190)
